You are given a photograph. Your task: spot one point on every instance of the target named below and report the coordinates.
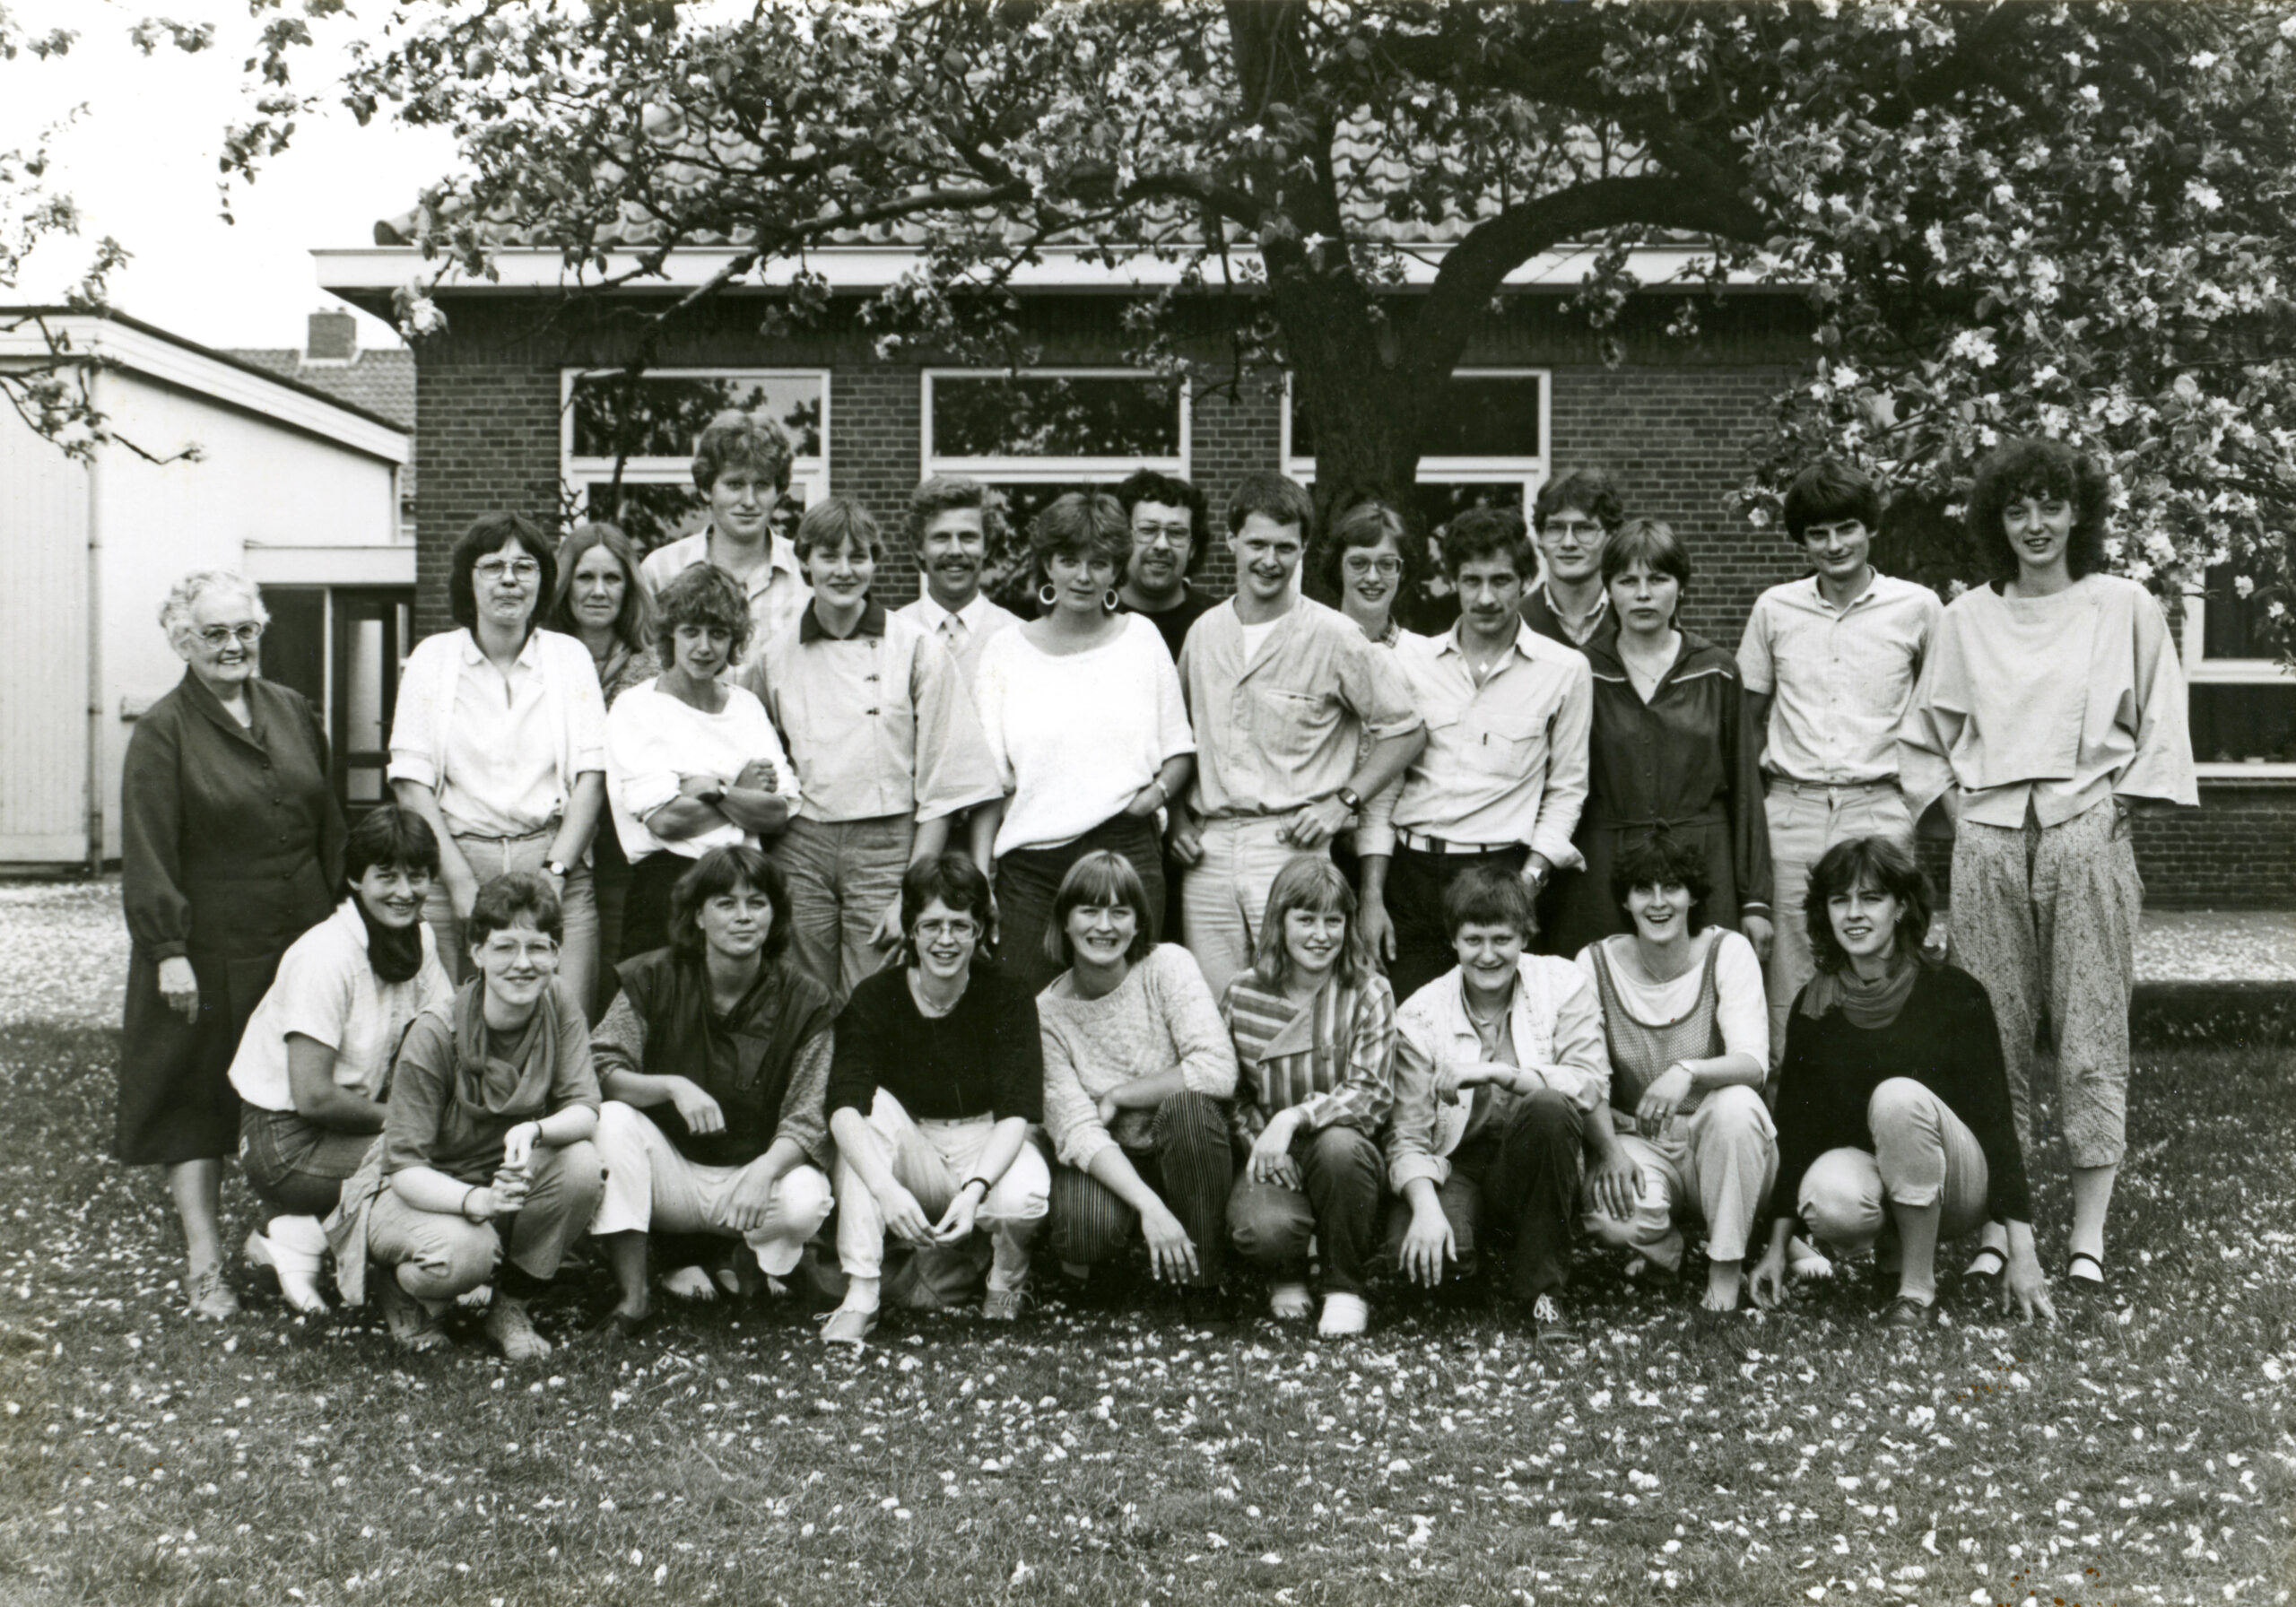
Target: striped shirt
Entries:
(1334, 1059)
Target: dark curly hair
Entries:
(1481, 534)
(1662, 859)
(724, 871)
(1147, 485)
(1876, 862)
(488, 534)
(2047, 469)
(510, 899)
(703, 594)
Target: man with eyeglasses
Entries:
(1572, 520)
(1167, 519)
(1281, 692)
(1829, 664)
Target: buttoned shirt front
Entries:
(1505, 758)
(1282, 730)
(877, 722)
(1840, 678)
(502, 775)
(963, 632)
(777, 589)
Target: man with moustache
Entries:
(952, 523)
(1168, 540)
(1572, 520)
(742, 466)
(1503, 775)
(1281, 689)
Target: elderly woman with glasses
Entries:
(499, 742)
(1084, 714)
(231, 848)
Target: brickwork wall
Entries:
(1674, 423)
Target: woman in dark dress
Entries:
(230, 849)
(1672, 751)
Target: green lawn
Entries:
(2141, 1451)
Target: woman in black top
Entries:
(1893, 1107)
(939, 1070)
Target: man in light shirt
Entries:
(742, 466)
(1503, 776)
(1281, 692)
(1573, 521)
(953, 521)
(1830, 663)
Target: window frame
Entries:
(1530, 470)
(810, 475)
(2201, 669)
(1051, 471)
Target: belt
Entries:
(1420, 843)
(1832, 791)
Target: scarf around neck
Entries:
(1869, 1005)
(395, 953)
(514, 1084)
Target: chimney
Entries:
(334, 338)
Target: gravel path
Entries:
(63, 949)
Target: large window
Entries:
(1486, 448)
(343, 648)
(650, 426)
(2243, 703)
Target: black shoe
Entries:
(1906, 1314)
(2092, 1282)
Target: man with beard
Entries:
(1168, 517)
(952, 523)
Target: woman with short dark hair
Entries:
(939, 1074)
(695, 762)
(315, 1061)
(1894, 1113)
(485, 1172)
(1137, 1066)
(2051, 707)
(230, 849)
(499, 742)
(1687, 1025)
(712, 1061)
(1084, 717)
(1672, 750)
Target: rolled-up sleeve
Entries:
(1564, 796)
(641, 768)
(586, 710)
(1375, 689)
(429, 675)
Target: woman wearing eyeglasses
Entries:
(500, 742)
(230, 849)
(1364, 568)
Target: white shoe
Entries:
(1345, 1315)
(295, 1245)
(1291, 1303)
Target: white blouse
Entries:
(653, 739)
(326, 989)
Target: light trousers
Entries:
(651, 1187)
(2046, 918)
(1922, 1155)
(440, 1253)
(1224, 895)
(933, 1160)
(1804, 821)
(1715, 1166)
(843, 876)
(491, 856)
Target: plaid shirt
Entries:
(1334, 1059)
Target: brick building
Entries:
(514, 409)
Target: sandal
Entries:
(2094, 1280)
(846, 1326)
(1986, 1267)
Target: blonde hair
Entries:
(1309, 882)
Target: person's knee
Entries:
(1545, 1120)
(1345, 1152)
(1269, 1226)
(1189, 1118)
(1896, 1100)
(578, 1174)
(1735, 1118)
(806, 1198)
(450, 1257)
(620, 1140)
(1841, 1199)
(1023, 1193)
(1088, 1224)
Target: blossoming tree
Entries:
(2009, 217)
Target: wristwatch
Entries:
(1348, 795)
(556, 867)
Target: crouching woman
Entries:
(485, 1160)
(1893, 1111)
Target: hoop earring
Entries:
(1111, 601)
(1048, 594)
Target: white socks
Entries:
(1344, 1314)
(860, 1294)
(292, 1249)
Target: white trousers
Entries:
(1714, 1167)
(933, 1160)
(650, 1185)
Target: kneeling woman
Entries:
(314, 1061)
(1894, 1108)
(486, 1141)
(1138, 1065)
(939, 1072)
(1686, 1022)
(714, 1059)
(1314, 1025)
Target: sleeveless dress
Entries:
(1642, 1051)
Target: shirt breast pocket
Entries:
(1493, 750)
(1289, 725)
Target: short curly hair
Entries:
(488, 533)
(513, 898)
(735, 439)
(184, 595)
(2046, 469)
(1148, 485)
(1662, 859)
(706, 596)
(1590, 490)
(1481, 533)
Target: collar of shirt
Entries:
(781, 559)
(1816, 596)
(1525, 637)
(811, 629)
(969, 616)
(528, 651)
